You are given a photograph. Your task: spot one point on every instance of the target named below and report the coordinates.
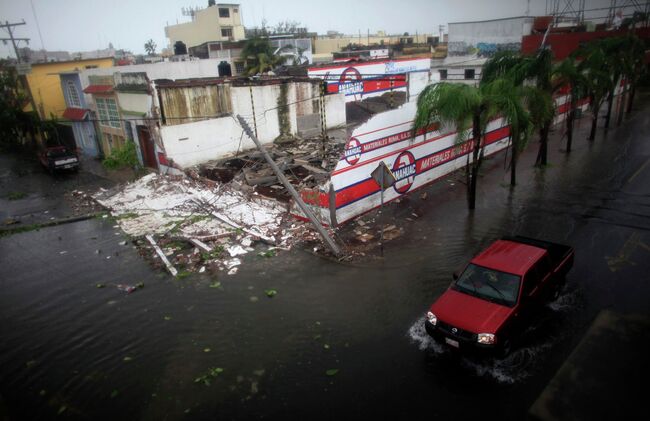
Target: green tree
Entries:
(634, 68)
(534, 69)
(15, 124)
(260, 56)
(150, 47)
(462, 106)
(598, 80)
(568, 74)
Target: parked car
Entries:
(498, 293)
(58, 157)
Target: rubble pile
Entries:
(192, 226)
(81, 203)
(306, 163)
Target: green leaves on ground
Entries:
(270, 292)
(210, 375)
(268, 253)
(332, 372)
(16, 195)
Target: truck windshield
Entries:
(489, 284)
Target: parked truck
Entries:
(498, 294)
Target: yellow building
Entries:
(221, 22)
(45, 84)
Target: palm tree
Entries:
(568, 74)
(150, 47)
(538, 69)
(459, 105)
(259, 56)
(598, 80)
(635, 66)
(614, 54)
(508, 100)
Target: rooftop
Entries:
(510, 257)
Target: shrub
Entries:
(122, 157)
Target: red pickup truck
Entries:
(497, 294)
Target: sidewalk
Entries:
(604, 376)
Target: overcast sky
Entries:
(81, 25)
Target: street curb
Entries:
(4, 232)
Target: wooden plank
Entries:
(200, 244)
(162, 256)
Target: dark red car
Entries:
(58, 157)
(497, 294)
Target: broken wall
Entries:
(187, 104)
(196, 142)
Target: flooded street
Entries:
(338, 340)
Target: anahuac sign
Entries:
(415, 158)
(361, 80)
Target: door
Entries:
(147, 148)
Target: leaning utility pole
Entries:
(319, 227)
(23, 78)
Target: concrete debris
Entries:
(236, 250)
(364, 238)
(305, 162)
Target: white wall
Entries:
(335, 110)
(201, 141)
(264, 98)
(498, 31)
(136, 102)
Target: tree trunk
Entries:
(542, 155)
(594, 123)
(610, 102)
(569, 128)
(476, 162)
(513, 161)
(631, 99)
(620, 109)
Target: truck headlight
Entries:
(486, 338)
(432, 318)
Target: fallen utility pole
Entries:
(305, 209)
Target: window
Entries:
(235, 10)
(226, 32)
(224, 12)
(469, 74)
(73, 95)
(489, 284)
(108, 115)
(239, 67)
(443, 74)
(91, 66)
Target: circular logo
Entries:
(352, 151)
(404, 170)
(350, 82)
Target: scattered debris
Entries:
(210, 375)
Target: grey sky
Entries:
(80, 25)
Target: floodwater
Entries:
(83, 352)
